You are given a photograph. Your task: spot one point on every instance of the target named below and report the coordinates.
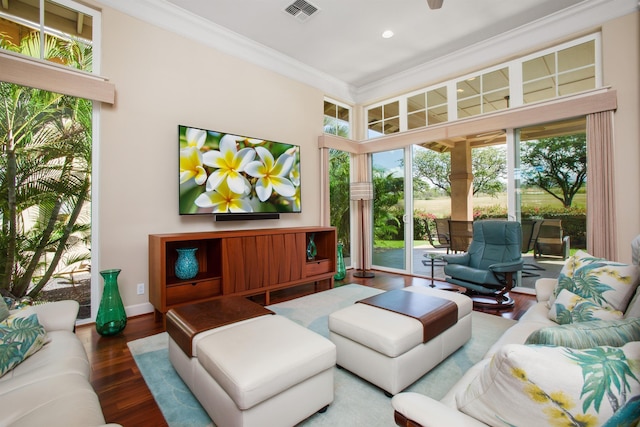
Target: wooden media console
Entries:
(241, 263)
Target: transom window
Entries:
(558, 73)
(427, 108)
(21, 21)
(483, 93)
(384, 119)
(562, 70)
(337, 119)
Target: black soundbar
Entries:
(247, 217)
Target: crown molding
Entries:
(585, 16)
(166, 15)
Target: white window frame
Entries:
(345, 106)
(516, 97)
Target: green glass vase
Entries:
(111, 317)
(312, 250)
(341, 270)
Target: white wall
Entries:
(163, 80)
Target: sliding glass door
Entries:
(389, 243)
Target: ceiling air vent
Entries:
(301, 10)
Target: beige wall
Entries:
(621, 70)
(163, 80)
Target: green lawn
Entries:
(441, 207)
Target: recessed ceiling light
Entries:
(387, 34)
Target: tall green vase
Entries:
(111, 317)
(341, 270)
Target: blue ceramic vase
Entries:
(187, 264)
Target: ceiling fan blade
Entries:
(435, 4)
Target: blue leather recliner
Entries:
(487, 269)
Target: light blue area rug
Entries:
(356, 401)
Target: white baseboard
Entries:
(138, 309)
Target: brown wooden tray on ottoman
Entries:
(185, 322)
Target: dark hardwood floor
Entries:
(123, 393)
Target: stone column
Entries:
(461, 182)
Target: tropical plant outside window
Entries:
(337, 121)
(339, 203)
(45, 176)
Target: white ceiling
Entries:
(342, 43)
(344, 38)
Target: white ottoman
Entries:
(264, 371)
(387, 348)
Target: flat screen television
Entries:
(236, 176)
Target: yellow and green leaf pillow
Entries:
(21, 335)
(571, 308)
(530, 385)
(605, 283)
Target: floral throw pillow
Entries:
(571, 308)
(530, 385)
(21, 335)
(605, 283)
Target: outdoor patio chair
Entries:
(487, 269)
(530, 231)
(551, 240)
(460, 235)
(442, 238)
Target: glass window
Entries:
(427, 108)
(437, 106)
(484, 93)
(62, 28)
(563, 72)
(337, 119)
(339, 202)
(383, 120)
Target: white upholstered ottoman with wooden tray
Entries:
(393, 350)
(248, 366)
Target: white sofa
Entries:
(413, 409)
(51, 387)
